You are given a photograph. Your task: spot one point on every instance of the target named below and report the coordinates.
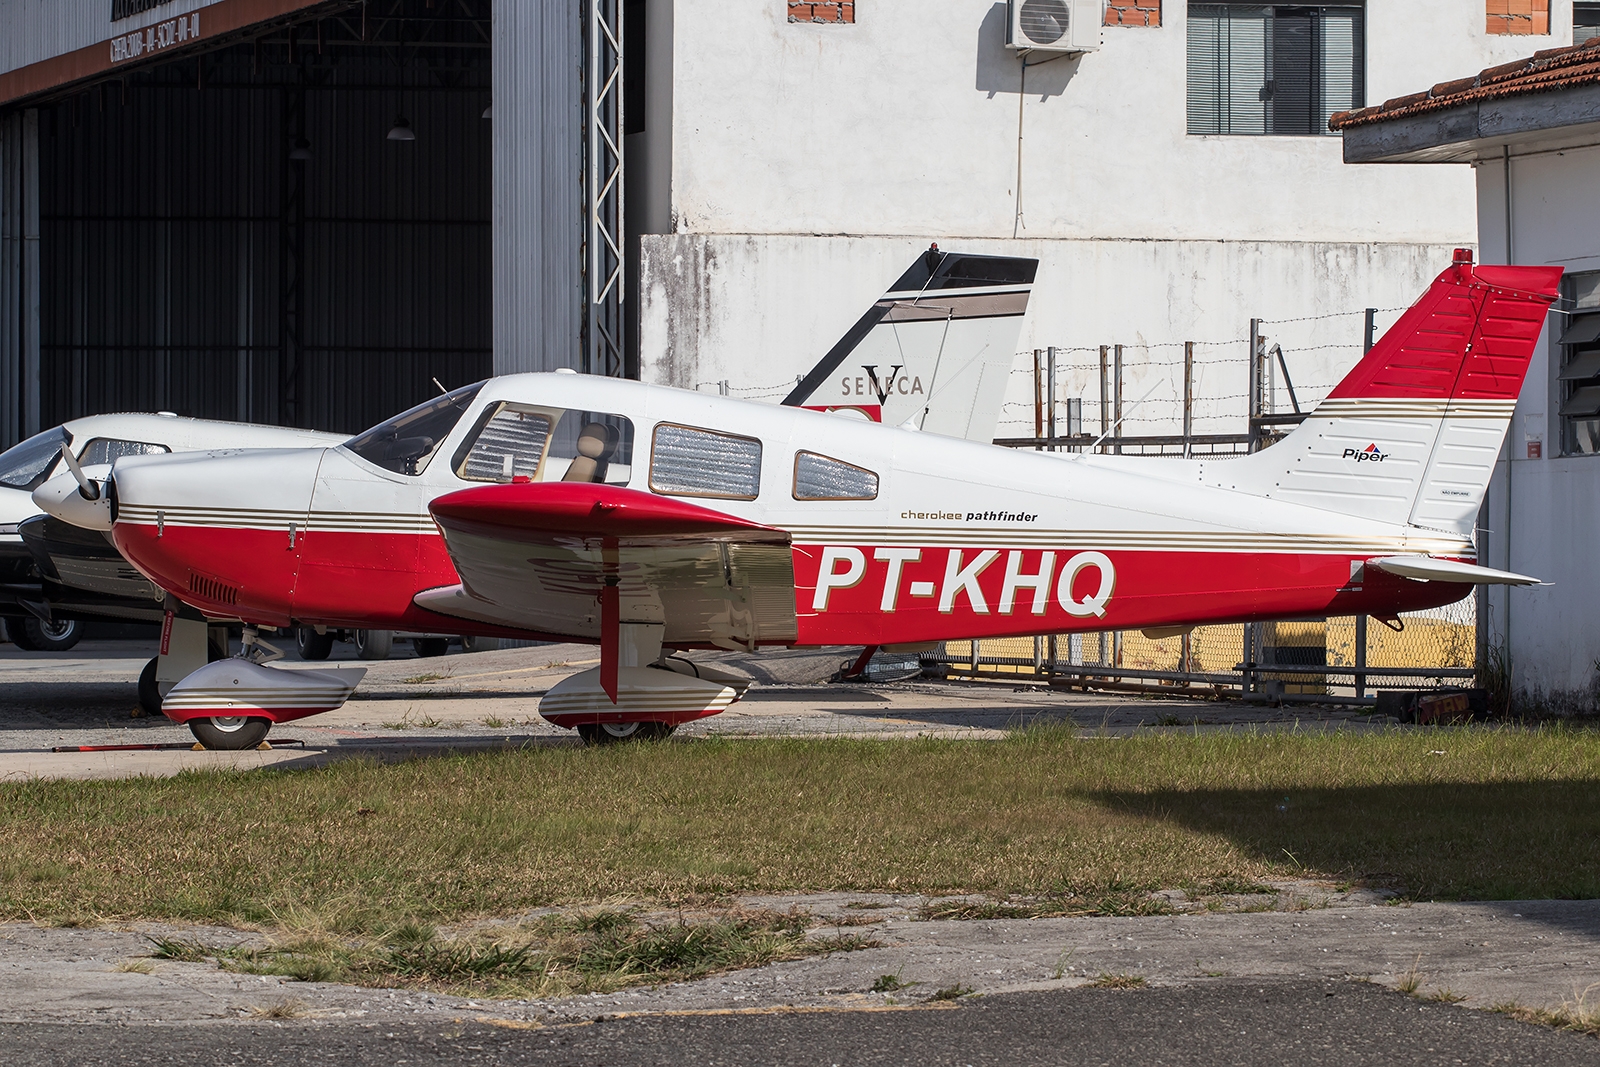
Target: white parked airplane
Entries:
(53, 574)
(649, 519)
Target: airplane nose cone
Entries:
(61, 498)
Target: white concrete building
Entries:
(1531, 131)
(790, 169)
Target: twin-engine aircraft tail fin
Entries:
(1411, 435)
(936, 349)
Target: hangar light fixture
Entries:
(401, 130)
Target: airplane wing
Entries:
(579, 559)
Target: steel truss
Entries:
(604, 292)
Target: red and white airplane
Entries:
(649, 519)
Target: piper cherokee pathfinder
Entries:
(648, 519)
(933, 351)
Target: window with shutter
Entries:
(1257, 69)
(1578, 380)
(1585, 22)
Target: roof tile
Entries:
(1545, 71)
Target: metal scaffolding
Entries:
(603, 318)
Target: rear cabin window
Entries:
(526, 442)
(818, 477)
(108, 450)
(686, 461)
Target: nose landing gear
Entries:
(232, 703)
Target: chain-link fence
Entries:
(1337, 659)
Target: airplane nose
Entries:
(61, 497)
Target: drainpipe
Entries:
(1511, 454)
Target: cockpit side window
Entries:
(109, 450)
(525, 442)
(509, 444)
(28, 464)
(406, 443)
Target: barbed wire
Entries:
(1331, 315)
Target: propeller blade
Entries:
(87, 489)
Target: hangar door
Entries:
(291, 227)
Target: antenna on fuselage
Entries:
(442, 389)
(1113, 429)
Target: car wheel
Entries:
(312, 645)
(427, 647)
(57, 635)
(611, 733)
(374, 644)
(230, 733)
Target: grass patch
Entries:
(422, 679)
(557, 955)
(1042, 822)
(1117, 981)
(1575, 1017)
(954, 992)
(889, 983)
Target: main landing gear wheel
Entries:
(312, 645)
(57, 635)
(230, 733)
(428, 647)
(374, 644)
(611, 733)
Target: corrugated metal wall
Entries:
(538, 165)
(163, 236)
(42, 29)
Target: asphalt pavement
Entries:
(1232, 1022)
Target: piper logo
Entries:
(1370, 454)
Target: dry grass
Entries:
(556, 955)
(1117, 981)
(287, 1008)
(1080, 825)
(1577, 1014)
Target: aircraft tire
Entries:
(17, 633)
(230, 734)
(428, 647)
(615, 733)
(56, 636)
(374, 644)
(312, 645)
(480, 644)
(149, 691)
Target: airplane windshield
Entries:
(405, 443)
(27, 465)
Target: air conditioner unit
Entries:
(1061, 26)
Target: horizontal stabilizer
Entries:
(1428, 569)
